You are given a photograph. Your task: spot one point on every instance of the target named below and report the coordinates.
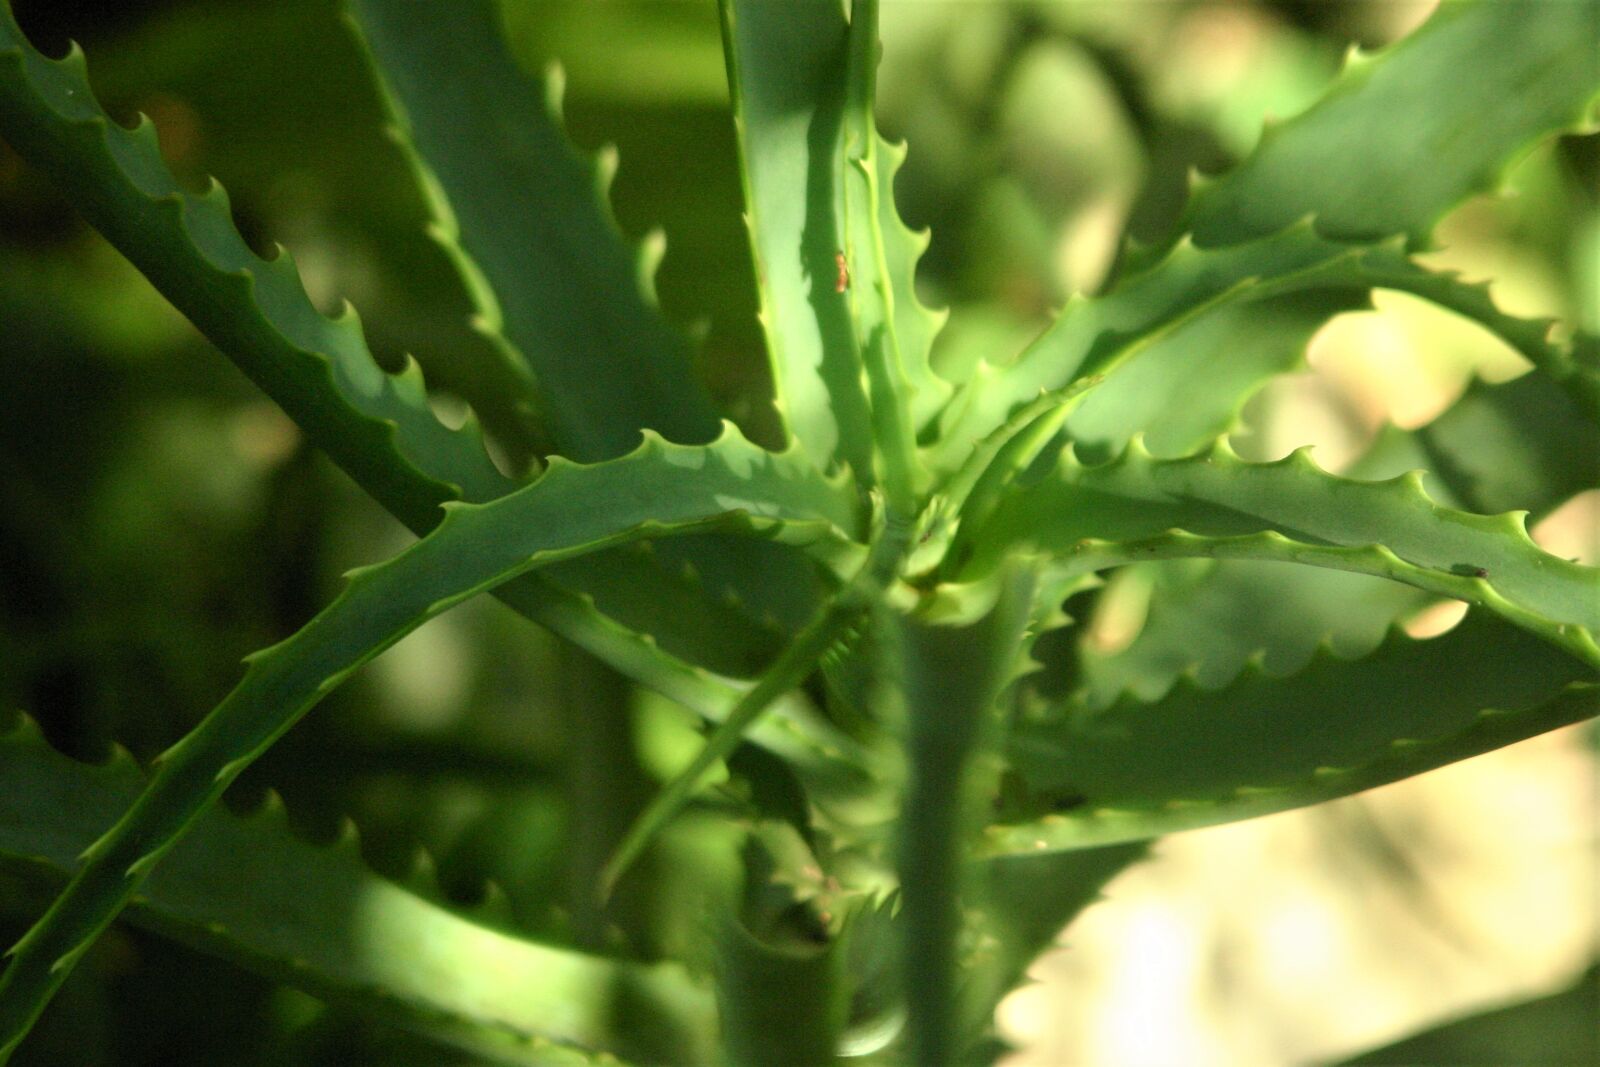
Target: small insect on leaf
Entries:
(843, 281)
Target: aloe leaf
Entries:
(1093, 335)
(535, 235)
(835, 267)
(875, 289)
(1208, 619)
(1519, 444)
(257, 309)
(953, 672)
(1292, 510)
(1262, 743)
(246, 888)
(526, 218)
(312, 112)
(1188, 387)
(1438, 116)
(495, 377)
(569, 511)
(1019, 905)
(915, 325)
(1140, 334)
(378, 428)
(538, 248)
(1408, 173)
(785, 74)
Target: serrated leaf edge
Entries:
(270, 816)
(1088, 554)
(1101, 825)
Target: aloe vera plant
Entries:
(926, 782)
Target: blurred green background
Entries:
(159, 519)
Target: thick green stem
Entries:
(953, 675)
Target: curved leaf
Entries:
(1188, 387)
(316, 917)
(1427, 139)
(1262, 744)
(870, 226)
(527, 219)
(1518, 444)
(569, 511)
(1123, 510)
(378, 428)
(494, 376)
(1142, 335)
(1404, 135)
(1208, 619)
(535, 237)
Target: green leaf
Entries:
(786, 66)
(1424, 145)
(1208, 618)
(491, 374)
(915, 324)
(569, 511)
(1291, 510)
(378, 428)
(558, 291)
(1019, 905)
(835, 267)
(1262, 744)
(1188, 387)
(316, 917)
(1519, 444)
(536, 239)
(1404, 135)
(528, 220)
(877, 290)
(1195, 317)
